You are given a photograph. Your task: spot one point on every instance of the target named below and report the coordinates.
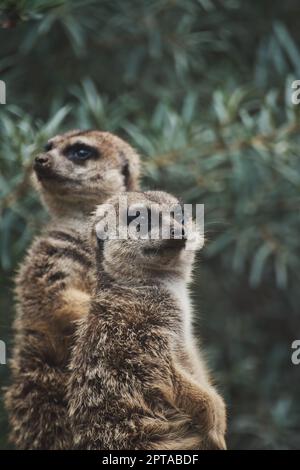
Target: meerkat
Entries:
(76, 171)
(129, 387)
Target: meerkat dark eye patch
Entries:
(131, 218)
(48, 146)
(80, 152)
(144, 219)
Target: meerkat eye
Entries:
(48, 146)
(131, 218)
(80, 152)
(144, 219)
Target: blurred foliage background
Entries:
(203, 90)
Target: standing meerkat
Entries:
(76, 171)
(131, 385)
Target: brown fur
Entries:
(127, 388)
(55, 281)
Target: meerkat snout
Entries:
(42, 166)
(41, 160)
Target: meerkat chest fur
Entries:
(178, 289)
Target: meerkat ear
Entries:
(125, 170)
(130, 170)
(126, 174)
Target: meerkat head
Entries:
(144, 236)
(80, 169)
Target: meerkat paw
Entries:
(210, 417)
(214, 441)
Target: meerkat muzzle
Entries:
(41, 160)
(174, 243)
(42, 166)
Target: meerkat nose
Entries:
(41, 160)
(175, 243)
